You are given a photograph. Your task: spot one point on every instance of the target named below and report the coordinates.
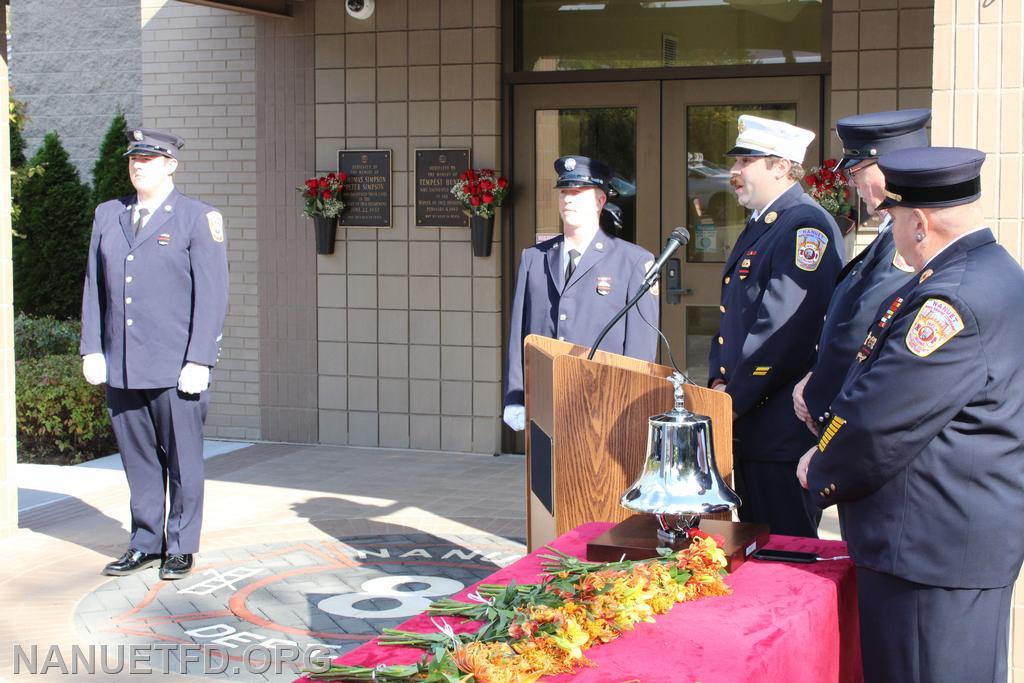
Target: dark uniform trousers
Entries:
(153, 302)
(923, 453)
(868, 278)
(608, 274)
(160, 434)
(775, 288)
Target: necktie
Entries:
(140, 220)
(573, 255)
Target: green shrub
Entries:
(55, 222)
(61, 417)
(38, 337)
(110, 173)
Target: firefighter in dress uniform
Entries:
(924, 452)
(153, 308)
(873, 274)
(570, 286)
(776, 285)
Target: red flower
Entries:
(486, 171)
(474, 200)
(323, 182)
(486, 185)
(327, 194)
(830, 163)
(488, 197)
(464, 175)
(503, 183)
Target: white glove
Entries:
(94, 367)
(515, 417)
(194, 378)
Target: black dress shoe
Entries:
(132, 561)
(176, 566)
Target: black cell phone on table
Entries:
(784, 556)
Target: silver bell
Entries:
(680, 479)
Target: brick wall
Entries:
(409, 321)
(199, 68)
(75, 63)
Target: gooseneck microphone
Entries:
(676, 239)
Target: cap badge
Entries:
(570, 164)
(137, 134)
(740, 126)
(810, 248)
(893, 196)
(936, 323)
(925, 275)
(771, 217)
(604, 285)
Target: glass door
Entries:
(699, 126)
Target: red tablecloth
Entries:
(783, 622)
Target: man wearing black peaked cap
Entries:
(153, 308)
(570, 286)
(874, 273)
(924, 452)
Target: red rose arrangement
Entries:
(322, 195)
(831, 189)
(480, 191)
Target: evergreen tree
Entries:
(110, 173)
(55, 222)
(15, 123)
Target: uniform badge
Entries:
(770, 218)
(163, 239)
(137, 134)
(833, 428)
(890, 312)
(761, 370)
(570, 164)
(604, 285)
(216, 223)
(936, 323)
(900, 263)
(744, 269)
(810, 248)
(925, 275)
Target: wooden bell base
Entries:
(637, 539)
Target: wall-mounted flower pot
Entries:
(482, 232)
(326, 232)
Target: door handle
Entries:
(674, 290)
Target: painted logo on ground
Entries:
(328, 595)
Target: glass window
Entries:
(571, 35)
(701, 327)
(605, 133)
(715, 217)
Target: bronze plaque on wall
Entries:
(367, 193)
(436, 172)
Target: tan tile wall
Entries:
(409, 320)
(8, 445)
(287, 260)
(199, 68)
(881, 58)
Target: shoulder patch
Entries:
(936, 323)
(654, 289)
(900, 263)
(810, 248)
(216, 223)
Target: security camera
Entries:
(359, 9)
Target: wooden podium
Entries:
(586, 431)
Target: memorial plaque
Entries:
(367, 193)
(436, 171)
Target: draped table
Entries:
(783, 622)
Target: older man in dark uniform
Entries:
(924, 451)
(156, 294)
(775, 287)
(570, 286)
(873, 274)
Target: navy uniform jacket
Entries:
(155, 302)
(776, 286)
(924, 450)
(607, 275)
(863, 283)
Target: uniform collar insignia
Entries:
(770, 218)
(925, 275)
